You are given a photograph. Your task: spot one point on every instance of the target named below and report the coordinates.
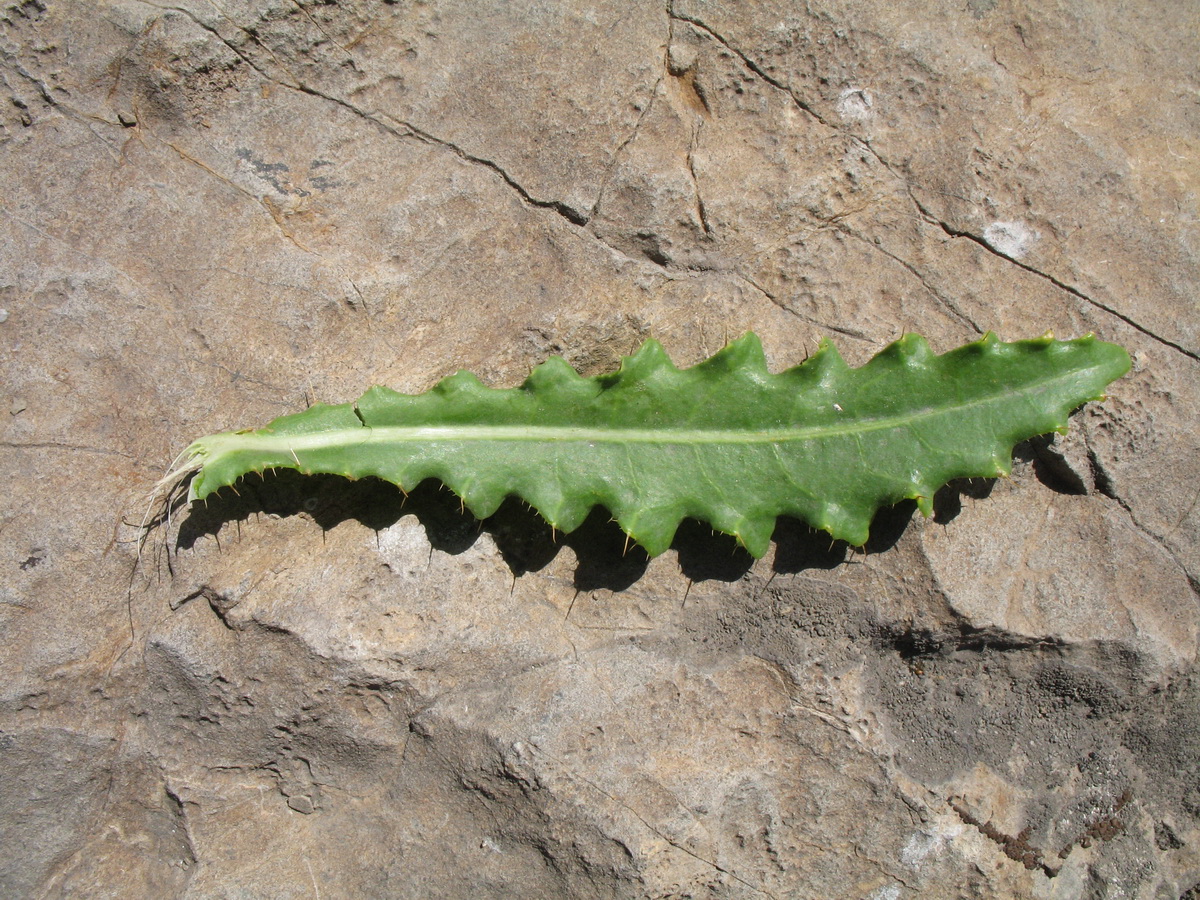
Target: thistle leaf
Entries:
(726, 441)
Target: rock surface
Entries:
(216, 213)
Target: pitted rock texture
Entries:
(216, 213)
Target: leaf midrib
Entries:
(667, 434)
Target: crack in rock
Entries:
(406, 129)
(945, 301)
(807, 108)
(1057, 282)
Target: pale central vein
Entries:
(573, 434)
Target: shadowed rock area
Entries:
(216, 213)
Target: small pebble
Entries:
(18, 406)
(301, 804)
(3, 316)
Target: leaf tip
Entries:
(555, 372)
(827, 360)
(748, 346)
(461, 382)
(649, 358)
(652, 529)
(910, 349)
(743, 354)
(754, 535)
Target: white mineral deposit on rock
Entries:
(855, 104)
(1013, 239)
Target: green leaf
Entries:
(726, 441)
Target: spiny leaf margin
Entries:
(725, 441)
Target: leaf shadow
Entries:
(604, 558)
(526, 542)
(948, 501)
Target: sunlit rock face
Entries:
(216, 215)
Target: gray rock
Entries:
(213, 215)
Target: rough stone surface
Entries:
(214, 213)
